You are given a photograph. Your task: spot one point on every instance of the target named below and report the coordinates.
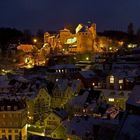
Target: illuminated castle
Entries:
(82, 41)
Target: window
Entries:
(2, 108)
(120, 86)
(120, 81)
(16, 131)
(8, 108)
(9, 137)
(3, 137)
(3, 130)
(111, 99)
(9, 131)
(112, 79)
(10, 115)
(16, 137)
(3, 115)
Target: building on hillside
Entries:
(76, 105)
(61, 93)
(83, 40)
(42, 103)
(53, 124)
(62, 71)
(13, 118)
(90, 128)
(88, 78)
(119, 81)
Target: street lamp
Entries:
(35, 40)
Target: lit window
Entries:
(111, 99)
(112, 79)
(120, 81)
(8, 108)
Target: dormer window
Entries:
(8, 108)
(112, 79)
(15, 107)
(2, 108)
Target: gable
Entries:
(43, 93)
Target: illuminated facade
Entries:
(38, 106)
(82, 41)
(13, 120)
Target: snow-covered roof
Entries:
(75, 84)
(115, 93)
(3, 78)
(62, 84)
(131, 128)
(87, 74)
(134, 98)
(4, 84)
(81, 125)
(61, 113)
(79, 100)
(63, 66)
(125, 74)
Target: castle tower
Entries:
(85, 39)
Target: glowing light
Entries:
(87, 58)
(79, 27)
(120, 81)
(112, 79)
(34, 40)
(29, 66)
(111, 99)
(71, 40)
(84, 110)
(30, 117)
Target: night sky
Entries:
(54, 14)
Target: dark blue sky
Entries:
(54, 14)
